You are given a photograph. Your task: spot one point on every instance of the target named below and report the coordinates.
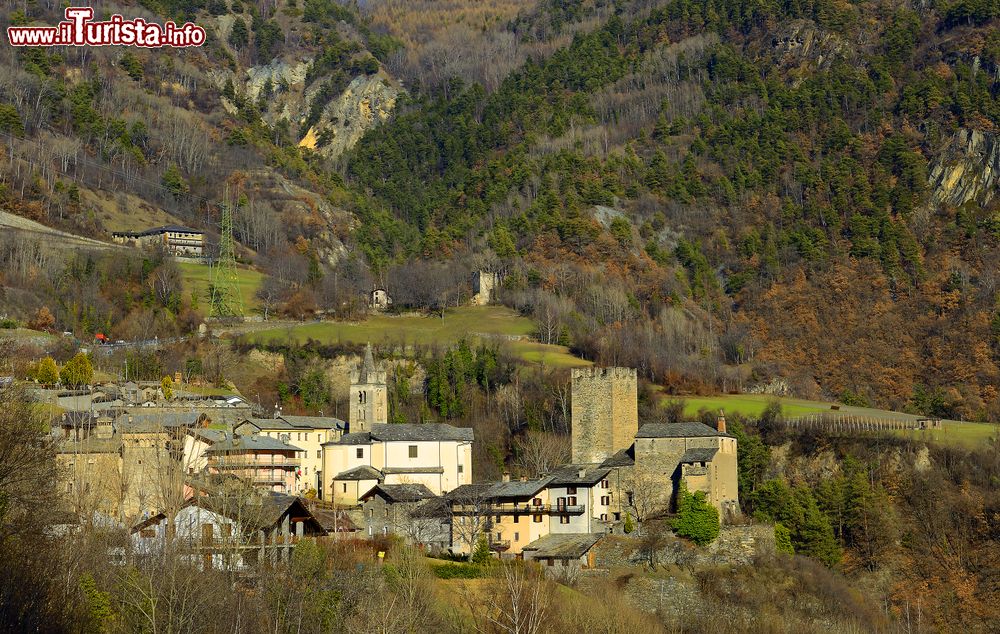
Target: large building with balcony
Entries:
(175, 239)
(268, 463)
(512, 514)
(309, 433)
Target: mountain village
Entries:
(262, 484)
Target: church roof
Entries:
(367, 365)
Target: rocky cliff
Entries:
(966, 169)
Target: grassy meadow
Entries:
(198, 276)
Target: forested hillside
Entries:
(725, 195)
(720, 193)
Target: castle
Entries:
(653, 460)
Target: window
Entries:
(362, 397)
(571, 490)
(604, 484)
(361, 452)
(498, 519)
(605, 500)
(499, 535)
(345, 487)
(413, 451)
(537, 501)
(572, 501)
(517, 518)
(560, 502)
(551, 562)
(604, 517)
(517, 536)
(564, 519)
(537, 519)
(371, 512)
(461, 468)
(319, 453)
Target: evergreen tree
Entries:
(696, 518)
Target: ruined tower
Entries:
(369, 395)
(605, 412)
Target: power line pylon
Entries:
(227, 303)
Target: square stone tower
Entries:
(369, 400)
(605, 410)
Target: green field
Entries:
(197, 277)
(468, 321)
(546, 355)
(953, 432)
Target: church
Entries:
(375, 452)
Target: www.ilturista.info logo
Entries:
(79, 30)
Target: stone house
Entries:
(177, 240)
(399, 509)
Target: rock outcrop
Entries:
(966, 169)
(367, 101)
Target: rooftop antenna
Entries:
(227, 304)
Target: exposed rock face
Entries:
(367, 101)
(802, 47)
(967, 168)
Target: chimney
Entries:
(524, 478)
(583, 473)
(505, 477)
(720, 424)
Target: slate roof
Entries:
(518, 489)
(563, 545)
(156, 421)
(623, 458)
(400, 492)
(313, 422)
(156, 230)
(569, 475)
(364, 472)
(250, 443)
(403, 432)
(470, 491)
(388, 432)
(699, 454)
(678, 430)
(209, 435)
(296, 423)
(356, 438)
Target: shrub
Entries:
(458, 571)
(696, 519)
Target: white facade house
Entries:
(437, 455)
(584, 486)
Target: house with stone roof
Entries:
(308, 433)
(437, 455)
(268, 463)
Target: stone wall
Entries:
(604, 412)
(735, 546)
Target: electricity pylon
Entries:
(227, 303)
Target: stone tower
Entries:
(369, 395)
(605, 412)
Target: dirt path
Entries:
(54, 237)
